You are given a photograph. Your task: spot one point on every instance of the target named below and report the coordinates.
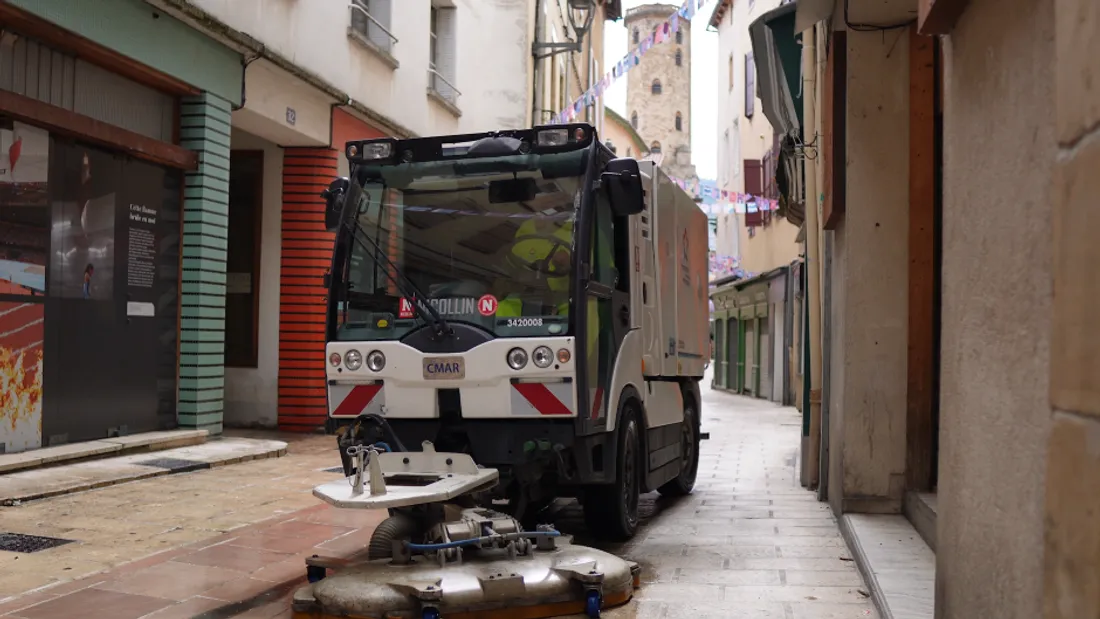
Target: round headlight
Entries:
(517, 358)
(334, 359)
(353, 359)
(542, 357)
(563, 355)
(376, 361)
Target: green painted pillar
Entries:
(204, 128)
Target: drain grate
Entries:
(18, 542)
(175, 464)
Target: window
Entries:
(370, 24)
(679, 121)
(636, 34)
(750, 86)
(442, 66)
(679, 37)
(656, 87)
(242, 300)
(731, 73)
(679, 57)
(634, 120)
(628, 152)
(655, 148)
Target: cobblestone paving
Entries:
(231, 542)
(749, 542)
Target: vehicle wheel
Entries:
(611, 511)
(381, 541)
(683, 483)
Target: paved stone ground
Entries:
(231, 542)
(119, 524)
(749, 543)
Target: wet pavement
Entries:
(749, 543)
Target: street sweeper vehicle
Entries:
(513, 317)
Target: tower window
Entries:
(655, 148)
(679, 57)
(679, 121)
(635, 34)
(679, 37)
(656, 87)
(634, 119)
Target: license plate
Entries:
(444, 368)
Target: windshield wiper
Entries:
(404, 284)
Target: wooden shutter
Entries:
(754, 179)
(750, 86)
(833, 131)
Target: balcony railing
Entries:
(441, 86)
(368, 28)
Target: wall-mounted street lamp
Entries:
(580, 14)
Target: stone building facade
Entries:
(658, 96)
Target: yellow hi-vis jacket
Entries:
(533, 250)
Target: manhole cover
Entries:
(175, 464)
(18, 542)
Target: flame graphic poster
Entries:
(21, 336)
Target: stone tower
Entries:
(658, 90)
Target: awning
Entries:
(810, 12)
(778, 57)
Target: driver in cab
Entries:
(542, 244)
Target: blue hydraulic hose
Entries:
(475, 541)
(382, 445)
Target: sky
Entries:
(704, 74)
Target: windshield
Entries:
(487, 242)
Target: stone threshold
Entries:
(896, 563)
(60, 455)
(41, 483)
(920, 509)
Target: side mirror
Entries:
(334, 202)
(623, 181)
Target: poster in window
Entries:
(24, 208)
(21, 336)
(83, 235)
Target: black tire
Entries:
(611, 511)
(381, 541)
(684, 483)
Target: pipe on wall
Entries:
(811, 461)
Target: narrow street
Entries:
(231, 542)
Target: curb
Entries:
(863, 564)
(12, 501)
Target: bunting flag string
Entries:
(726, 201)
(663, 33)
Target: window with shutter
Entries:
(679, 37)
(655, 88)
(753, 178)
(442, 68)
(679, 57)
(636, 34)
(371, 23)
(750, 86)
(634, 120)
(679, 122)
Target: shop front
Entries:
(96, 179)
(752, 335)
(306, 256)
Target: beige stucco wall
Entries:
(870, 283)
(994, 407)
(1072, 557)
(769, 247)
